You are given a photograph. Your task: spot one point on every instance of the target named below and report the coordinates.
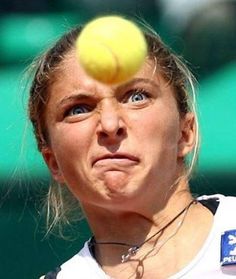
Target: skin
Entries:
(120, 150)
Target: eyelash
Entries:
(137, 91)
(69, 111)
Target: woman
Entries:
(121, 151)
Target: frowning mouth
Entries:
(116, 157)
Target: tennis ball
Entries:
(111, 49)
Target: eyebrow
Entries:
(74, 97)
(84, 95)
(139, 80)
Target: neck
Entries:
(132, 249)
(135, 226)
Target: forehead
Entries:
(70, 76)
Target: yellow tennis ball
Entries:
(111, 49)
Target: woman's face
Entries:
(114, 146)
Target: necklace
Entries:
(132, 251)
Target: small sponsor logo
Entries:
(228, 248)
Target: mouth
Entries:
(115, 157)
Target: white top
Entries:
(206, 264)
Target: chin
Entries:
(123, 192)
(116, 182)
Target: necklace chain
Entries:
(132, 251)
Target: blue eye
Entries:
(79, 109)
(137, 96)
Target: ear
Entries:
(187, 138)
(52, 164)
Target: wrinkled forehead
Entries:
(70, 70)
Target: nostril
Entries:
(103, 134)
(114, 136)
(120, 132)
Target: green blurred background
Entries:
(204, 32)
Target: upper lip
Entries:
(115, 156)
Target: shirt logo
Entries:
(228, 248)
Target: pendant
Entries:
(131, 252)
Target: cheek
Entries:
(70, 143)
(159, 128)
(157, 134)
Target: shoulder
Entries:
(81, 263)
(225, 201)
(68, 265)
(52, 274)
(225, 210)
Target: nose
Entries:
(112, 127)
